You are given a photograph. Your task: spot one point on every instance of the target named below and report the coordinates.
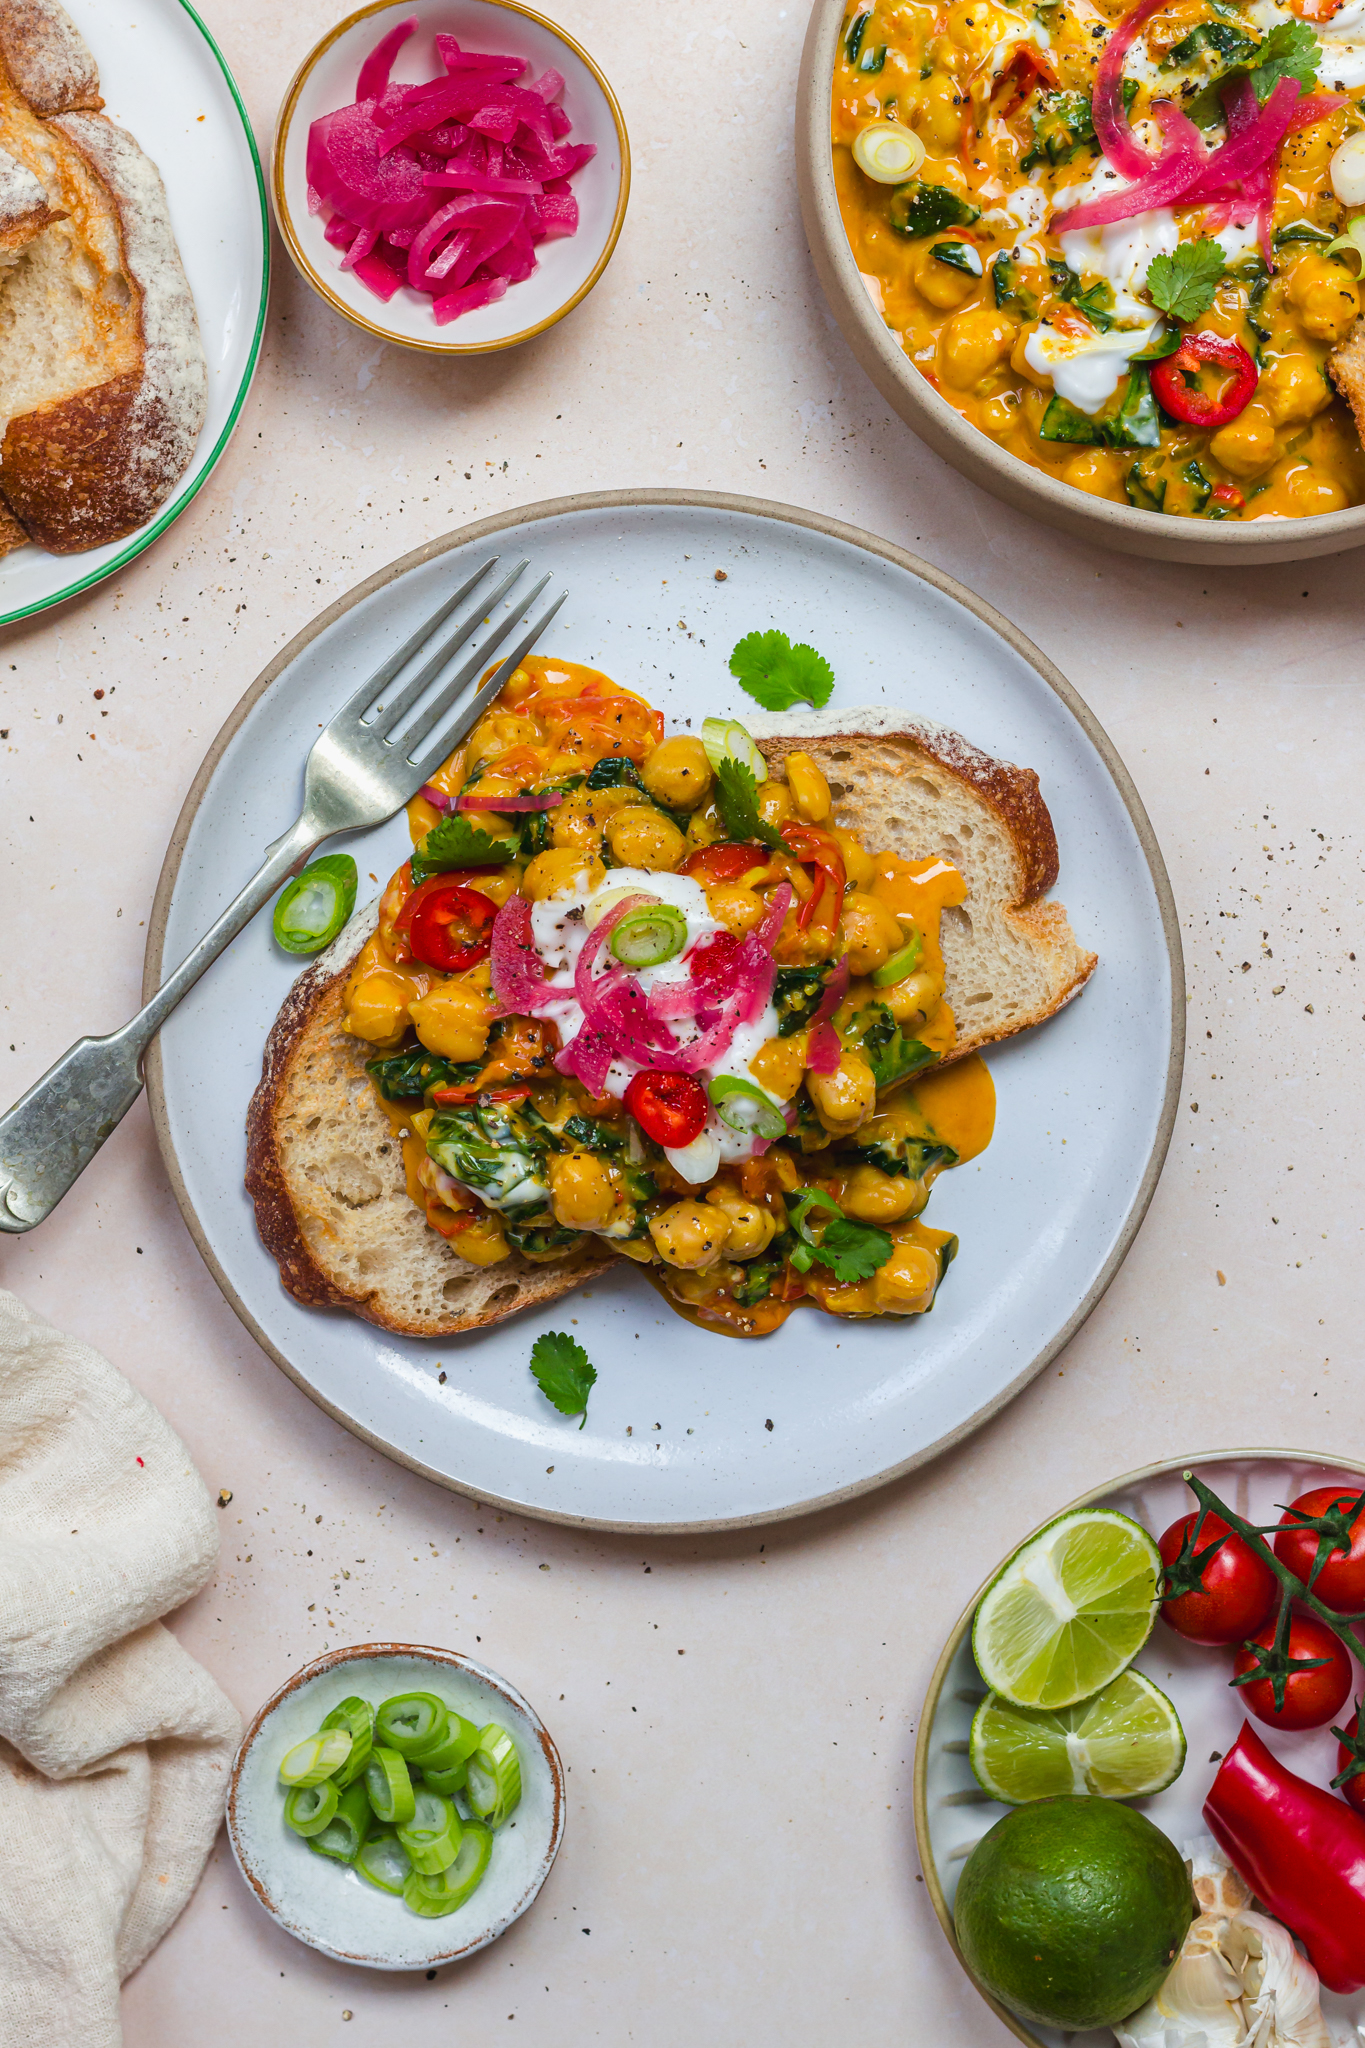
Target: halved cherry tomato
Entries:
(613, 726)
(1239, 1587)
(450, 1222)
(669, 1108)
(1175, 380)
(448, 926)
(1311, 1697)
(726, 861)
(815, 849)
(1341, 1582)
(1353, 1791)
(712, 962)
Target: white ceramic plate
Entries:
(687, 1429)
(566, 270)
(327, 1905)
(164, 79)
(952, 1812)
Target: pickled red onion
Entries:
(516, 968)
(1249, 147)
(374, 72)
(1160, 184)
(437, 797)
(823, 1049)
(1110, 117)
(538, 800)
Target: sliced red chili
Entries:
(815, 849)
(1026, 70)
(1175, 380)
(470, 1091)
(450, 927)
(724, 862)
(669, 1108)
(1229, 495)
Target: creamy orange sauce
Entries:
(959, 1103)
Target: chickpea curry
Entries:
(1119, 239)
(639, 989)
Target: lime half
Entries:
(1124, 1743)
(1069, 1611)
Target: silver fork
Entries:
(361, 770)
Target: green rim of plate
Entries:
(173, 511)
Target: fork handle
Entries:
(54, 1131)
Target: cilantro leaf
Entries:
(1184, 284)
(737, 802)
(455, 843)
(1291, 50)
(563, 1373)
(852, 1251)
(779, 675)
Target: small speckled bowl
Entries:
(327, 1905)
(566, 270)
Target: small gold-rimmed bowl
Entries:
(566, 269)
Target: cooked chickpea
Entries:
(1293, 388)
(645, 839)
(737, 908)
(452, 1021)
(560, 871)
(1246, 445)
(689, 1234)
(845, 1098)
(752, 1226)
(1326, 295)
(579, 820)
(498, 732)
(1312, 492)
(1096, 471)
(583, 1194)
(905, 1285)
(913, 1000)
(678, 773)
(377, 1008)
(779, 1064)
(999, 414)
(942, 284)
(876, 1197)
(975, 342)
(858, 866)
(483, 1243)
(774, 803)
(810, 791)
(940, 116)
(871, 932)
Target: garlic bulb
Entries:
(1238, 1982)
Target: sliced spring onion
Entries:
(384, 1863)
(494, 1789)
(746, 1107)
(454, 1779)
(432, 1836)
(313, 907)
(411, 1722)
(887, 152)
(900, 964)
(646, 938)
(433, 1897)
(345, 1832)
(458, 1741)
(726, 737)
(356, 1716)
(597, 907)
(308, 1808)
(389, 1787)
(309, 1762)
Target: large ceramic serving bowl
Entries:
(1228, 543)
(566, 270)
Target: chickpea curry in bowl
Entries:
(1123, 242)
(637, 989)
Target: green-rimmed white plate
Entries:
(164, 79)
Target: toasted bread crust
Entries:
(1346, 367)
(48, 58)
(310, 1019)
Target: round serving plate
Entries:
(164, 79)
(952, 1812)
(1231, 544)
(687, 1429)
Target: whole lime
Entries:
(1072, 1910)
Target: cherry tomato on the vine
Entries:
(1239, 1587)
(1353, 1791)
(1311, 1698)
(669, 1108)
(1341, 1582)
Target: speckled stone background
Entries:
(739, 1713)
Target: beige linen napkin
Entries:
(114, 1744)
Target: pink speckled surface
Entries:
(739, 1838)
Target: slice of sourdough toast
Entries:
(921, 789)
(325, 1170)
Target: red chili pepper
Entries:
(450, 1222)
(470, 1091)
(1228, 494)
(1175, 380)
(1026, 70)
(449, 926)
(669, 1108)
(1300, 1850)
(814, 848)
(724, 862)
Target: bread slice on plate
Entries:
(325, 1170)
(103, 381)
